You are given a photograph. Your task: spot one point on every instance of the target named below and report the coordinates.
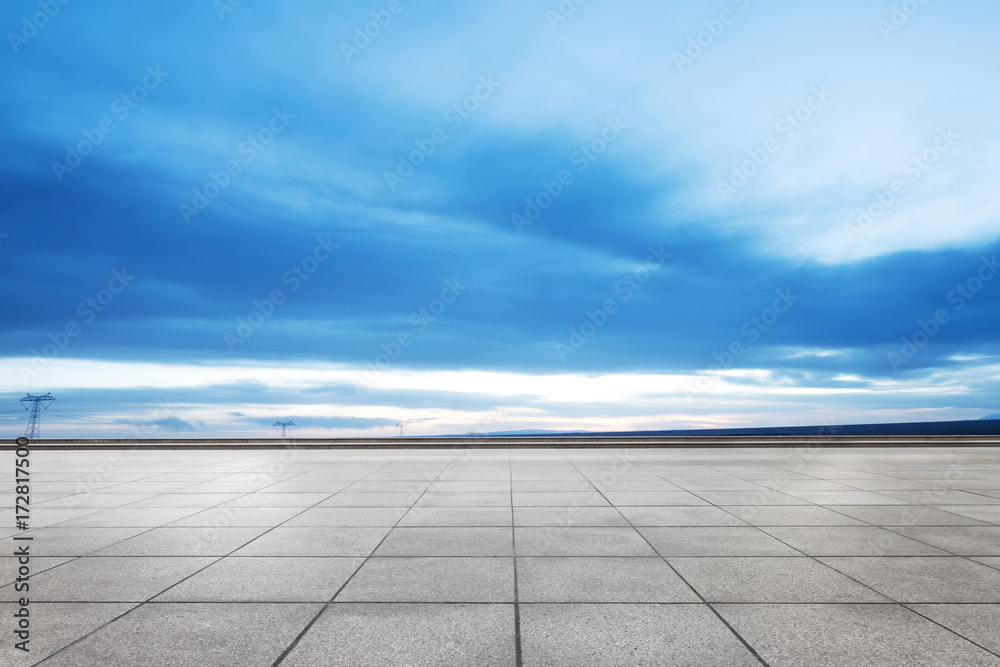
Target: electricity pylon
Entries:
(402, 428)
(284, 426)
(32, 430)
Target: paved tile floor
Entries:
(698, 557)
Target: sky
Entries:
(473, 217)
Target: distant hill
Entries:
(985, 426)
(529, 431)
(990, 417)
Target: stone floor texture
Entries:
(697, 557)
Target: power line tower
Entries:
(34, 402)
(402, 427)
(284, 426)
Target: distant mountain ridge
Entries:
(528, 431)
(989, 425)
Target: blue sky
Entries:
(483, 216)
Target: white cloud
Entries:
(888, 100)
(605, 401)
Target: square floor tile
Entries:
(930, 580)
(91, 500)
(600, 580)
(299, 486)
(265, 579)
(606, 485)
(9, 566)
(190, 541)
(316, 541)
(759, 497)
(348, 516)
(449, 486)
(432, 580)
(206, 635)
(277, 500)
(41, 517)
(448, 541)
(56, 541)
(679, 516)
(888, 484)
(108, 579)
(976, 622)
(796, 485)
(388, 487)
(906, 515)
(730, 484)
(942, 497)
(568, 516)
(847, 498)
(55, 625)
(458, 516)
(464, 500)
(653, 498)
(344, 499)
(552, 485)
(458, 635)
(756, 579)
(849, 541)
(850, 635)
(559, 499)
(602, 635)
(959, 540)
(714, 541)
(239, 516)
(130, 517)
(791, 516)
(987, 513)
(580, 541)
(199, 501)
